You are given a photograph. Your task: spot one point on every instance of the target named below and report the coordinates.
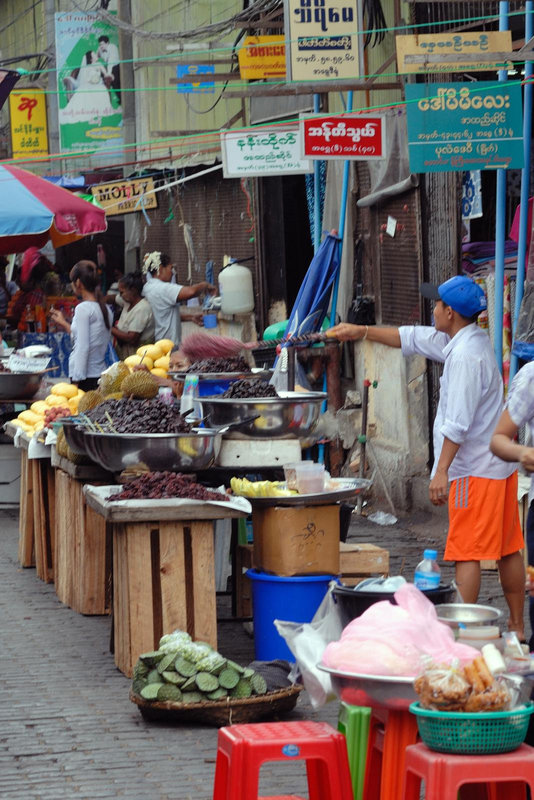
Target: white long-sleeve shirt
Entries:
(471, 397)
(90, 339)
(520, 406)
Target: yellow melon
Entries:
(133, 361)
(160, 373)
(64, 390)
(165, 345)
(39, 407)
(54, 401)
(150, 351)
(162, 363)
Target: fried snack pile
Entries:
(471, 688)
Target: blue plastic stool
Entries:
(353, 723)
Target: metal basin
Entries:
(19, 385)
(179, 452)
(456, 614)
(74, 435)
(394, 692)
(292, 414)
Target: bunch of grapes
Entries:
(55, 413)
(157, 485)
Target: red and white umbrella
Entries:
(33, 210)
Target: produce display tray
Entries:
(164, 509)
(345, 488)
(222, 376)
(221, 712)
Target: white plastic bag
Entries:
(307, 641)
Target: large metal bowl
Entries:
(74, 435)
(19, 385)
(292, 414)
(378, 691)
(469, 614)
(179, 452)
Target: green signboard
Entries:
(464, 126)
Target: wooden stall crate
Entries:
(83, 547)
(359, 561)
(43, 495)
(26, 554)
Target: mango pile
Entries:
(183, 671)
(245, 488)
(155, 357)
(65, 396)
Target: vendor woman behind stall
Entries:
(136, 322)
(90, 329)
(35, 267)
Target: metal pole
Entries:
(525, 184)
(317, 221)
(363, 438)
(500, 215)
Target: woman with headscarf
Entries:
(164, 296)
(90, 329)
(34, 268)
(135, 325)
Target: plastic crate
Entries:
(479, 733)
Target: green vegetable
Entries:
(172, 677)
(191, 697)
(153, 677)
(138, 684)
(166, 662)
(257, 681)
(206, 682)
(185, 667)
(152, 658)
(168, 692)
(228, 678)
(237, 667)
(218, 694)
(150, 692)
(242, 689)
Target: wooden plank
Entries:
(51, 516)
(26, 553)
(83, 472)
(202, 578)
(92, 567)
(172, 577)
(121, 600)
(243, 588)
(140, 615)
(39, 520)
(66, 513)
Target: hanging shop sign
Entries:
(270, 151)
(464, 126)
(123, 197)
(343, 136)
(8, 79)
(29, 134)
(88, 74)
(199, 87)
(447, 44)
(262, 57)
(322, 39)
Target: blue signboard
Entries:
(203, 87)
(464, 126)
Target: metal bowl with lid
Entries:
(291, 414)
(467, 614)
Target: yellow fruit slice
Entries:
(64, 389)
(39, 407)
(151, 350)
(133, 361)
(162, 363)
(160, 373)
(165, 345)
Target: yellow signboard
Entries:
(262, 57)
(29, 134)
(446, 44)
(123, 197)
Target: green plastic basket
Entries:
(479, 733)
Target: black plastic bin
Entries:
(353, 603)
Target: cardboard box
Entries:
(359, 561)
(297, 541)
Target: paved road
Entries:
(67, 728)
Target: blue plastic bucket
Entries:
(294, 599)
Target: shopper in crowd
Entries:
(165, 296)
(135, 325)
(7, 288)
(519, 411)
(35, 267)
(90, 328)
(482, 498)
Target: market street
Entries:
(68, 727)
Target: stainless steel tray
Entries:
(394, 692)
(222, 376)
(348, 487)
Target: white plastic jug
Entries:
(236, 290)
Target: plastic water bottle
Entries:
(427, 573)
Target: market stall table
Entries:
(163, 568)
(82, 555)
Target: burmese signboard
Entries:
(27, 112)
(464, 126)
(269, 151)
(343, 136)
(447, 44)
(262, 57)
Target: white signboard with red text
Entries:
(343, 136)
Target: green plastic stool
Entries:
(353, 723)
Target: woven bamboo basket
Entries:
(228, 711)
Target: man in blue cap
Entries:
(482, 497)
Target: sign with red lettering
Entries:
(262, 57)
(349, 136)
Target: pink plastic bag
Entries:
(396, 640)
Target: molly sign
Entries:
(464, 126)
(123, 197)
(322, 39)
(271, 151)
(343, 136)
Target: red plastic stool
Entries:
(390, 733)
(505, 774)
(242, 749)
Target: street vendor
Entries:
(164, 296)
(135, 325)
(519, 411)
(178, 362)
(482, 498)
(32, 293)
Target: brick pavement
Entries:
(67, 728)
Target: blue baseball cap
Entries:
(461, 293)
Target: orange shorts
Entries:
(483, 519)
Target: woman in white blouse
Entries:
(90, 329)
